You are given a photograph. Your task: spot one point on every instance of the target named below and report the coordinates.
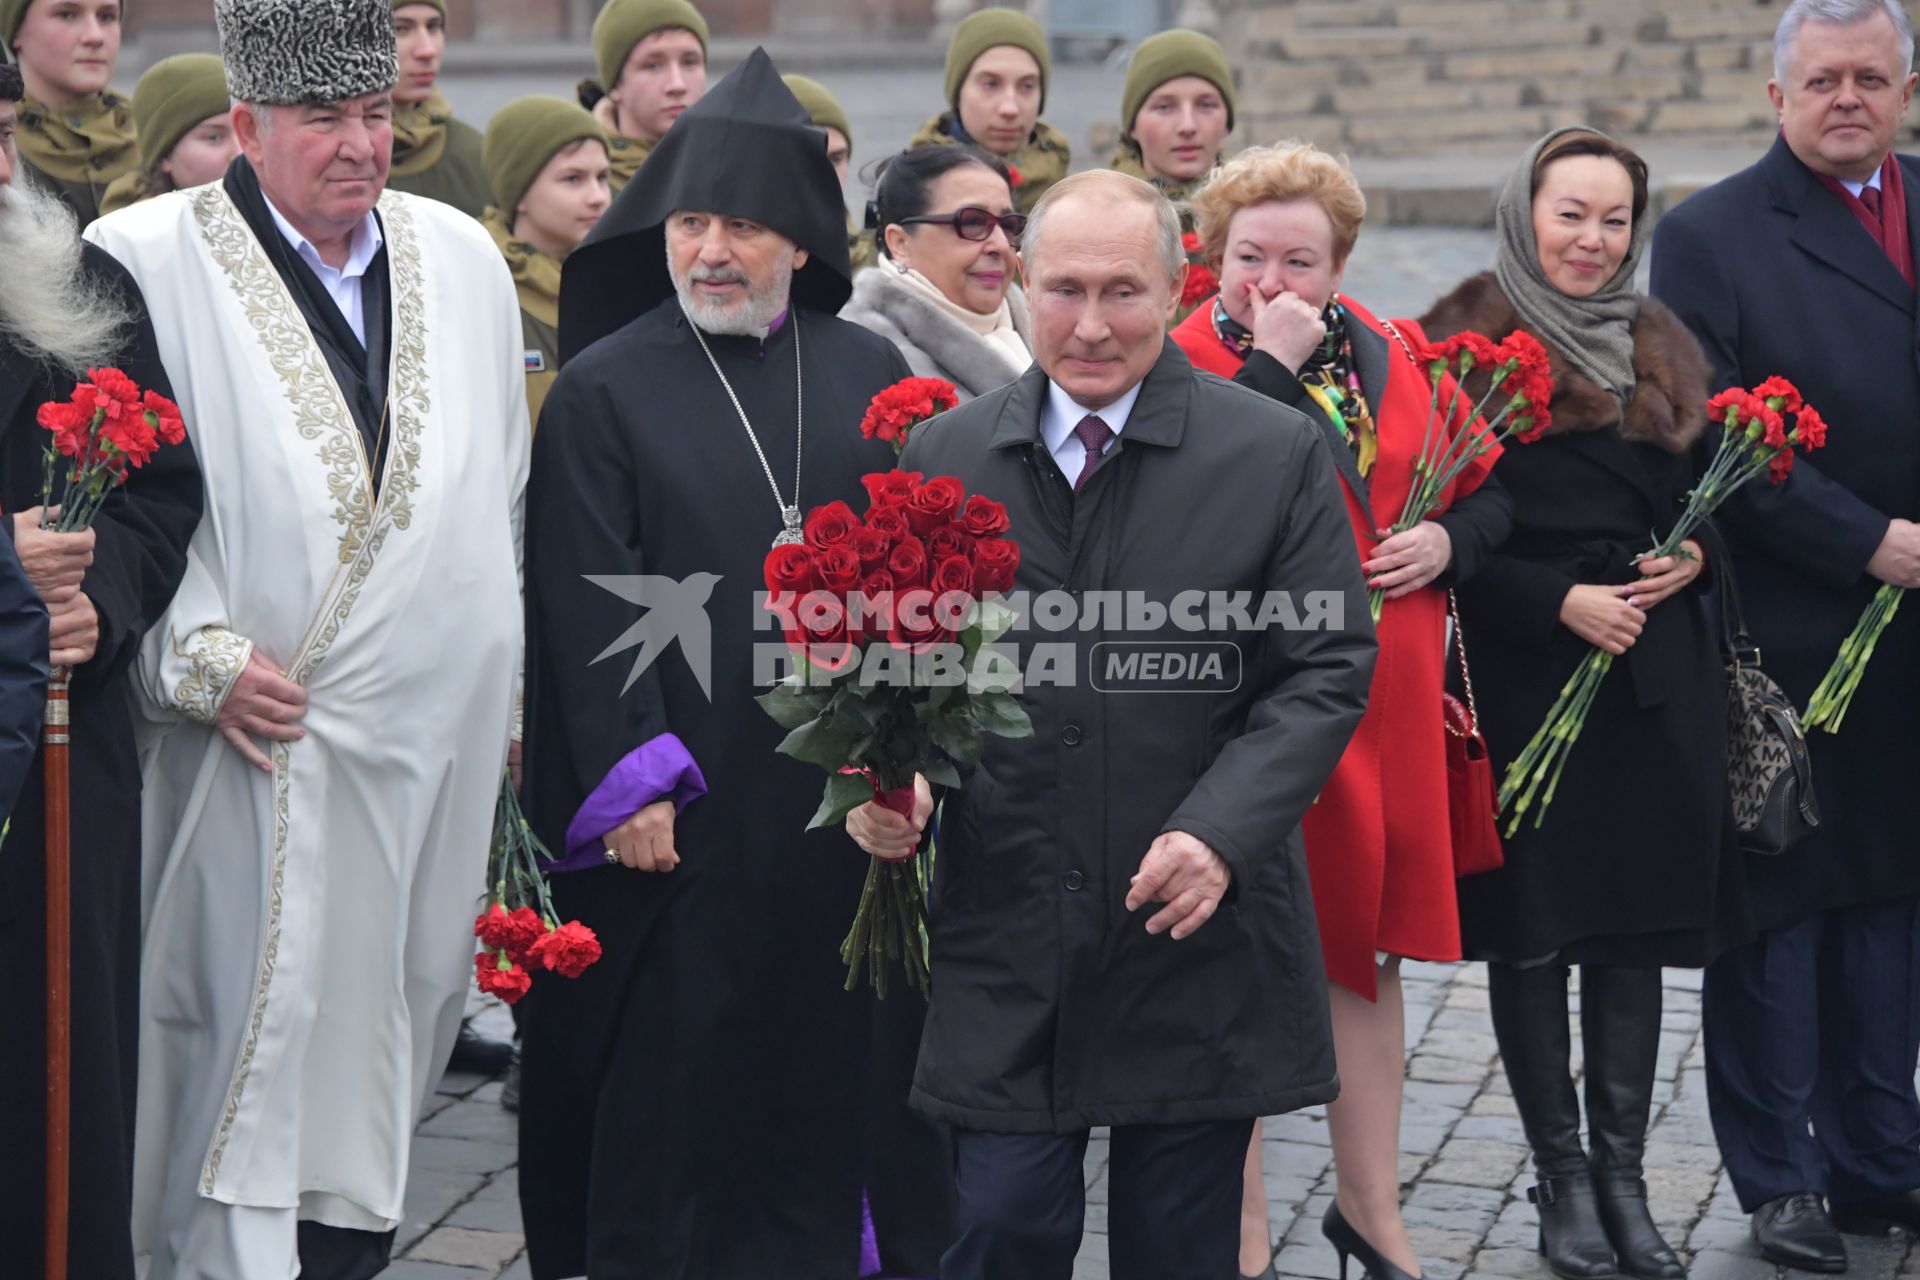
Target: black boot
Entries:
(1620, 1023)
(1530, 1021)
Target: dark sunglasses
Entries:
(975, 223)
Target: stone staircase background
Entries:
(1404, 78)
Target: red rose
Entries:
(953, 574)
(831, 525)
(916, 621)
(948, 540)
(995, 561)
(891, 521)
(934, 503)
(982, 517)
(877, 585)
(166, 417)
(889, 488)
(790, 568)
(833, 644)
(838, 568)
(907, 562)
(497, 975)
(871, 545)
(873, 604)
(567, 950)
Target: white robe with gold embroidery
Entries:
(308, 932)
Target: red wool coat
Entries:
(1378, 845)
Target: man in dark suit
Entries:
(1123, 934)
(1803, 266)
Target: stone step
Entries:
(1363, 43)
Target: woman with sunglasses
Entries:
(944, 291)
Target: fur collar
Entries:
(1669, 405)
(934, 343)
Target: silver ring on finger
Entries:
(613, 856)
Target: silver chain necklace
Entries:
(789, 513)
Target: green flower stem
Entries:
(1828, 707)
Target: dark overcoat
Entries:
(140, 552)
(1634, 861)
(1775, 276)
(1053, 1009)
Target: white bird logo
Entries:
(674, 609)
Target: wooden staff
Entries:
(59, 972)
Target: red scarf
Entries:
(1889, 230)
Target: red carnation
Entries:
(1780, 466)
(831, 525)
(897, 409)
(1778, 388)
(1200, 285)
(513, 932)
(1013, 176)
(1731, 398)
(567, 950)
(498, 975)
(1810, 429)
(166, 417)
(995, 561)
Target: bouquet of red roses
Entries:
(1755, 440)
(898, 409)
(1518, 363)
(890, 617)
(106, 429)
(520, 933)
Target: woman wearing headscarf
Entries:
(546, 162)
(945, 291)
(182, 114)
(997, 72)
(1633, 867)
(1278, 224)
(75, 134)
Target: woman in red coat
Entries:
(1277, 224)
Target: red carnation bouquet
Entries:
(1520, 366)
(107, 429)
(1754, 441)
(890, 617)
(1201, 282)
(906, 404)
(520, 933)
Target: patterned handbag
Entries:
(1769, 772)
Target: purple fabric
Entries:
(659, 768)
(869, 1244)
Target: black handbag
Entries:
(1769, 773)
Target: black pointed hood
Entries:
(746, 149)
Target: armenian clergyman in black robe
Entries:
(693, 1107)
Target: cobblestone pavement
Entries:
(1463, 1165)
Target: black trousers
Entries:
(1174, 1211)
(1812, 1033)
(337, 1253)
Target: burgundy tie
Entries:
(1096, 436)
(1870, 197)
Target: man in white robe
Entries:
(330, 698)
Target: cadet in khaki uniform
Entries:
(997, 69)
(184, 119)
(434, 155)
(825, 111)
(76, 135)
(653, 66)
(546, 160)
(1176, 111)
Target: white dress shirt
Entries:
(1857, 187)
(341, 283)
(1062, 414)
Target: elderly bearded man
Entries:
(331, 694)
(66, 307)
(693, 1105)
(1123, 934)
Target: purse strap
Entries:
(1735, 641)
(1466, 677)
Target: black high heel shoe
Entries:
(1345, 1240)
